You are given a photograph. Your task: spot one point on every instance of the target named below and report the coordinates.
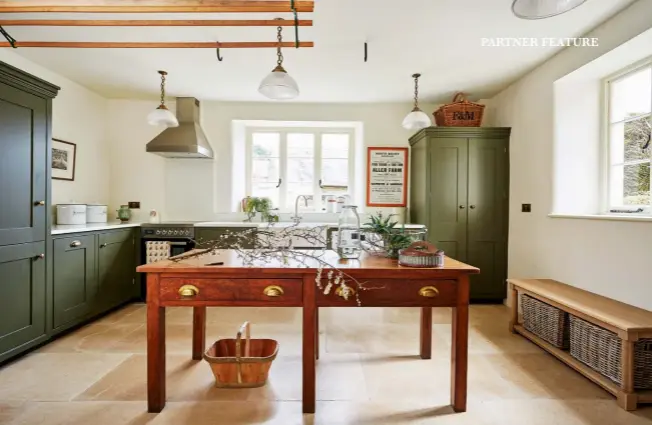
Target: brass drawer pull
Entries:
(75, 244)
(187, 291)
(345, 292)
(429, 292)
(273, 291)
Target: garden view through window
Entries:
(316, 163)
(630, 133)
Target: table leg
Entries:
(317, 333)
(425, 335)
(459, 351)
(198, 332)
(309, 339)
(155, 347)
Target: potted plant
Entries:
(382, 235)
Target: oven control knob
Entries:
(158, 232)
(187, 232)
(176, 232)
(164, 232)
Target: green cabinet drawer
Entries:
(22, 304)
(74, 279)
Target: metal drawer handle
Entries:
(273, 291)
(345, 292)
(39, 203)
(187, 291)
(75, 244)
(429, 292)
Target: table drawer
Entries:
(264, 292)
(397, 293)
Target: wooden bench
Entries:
(628, 322)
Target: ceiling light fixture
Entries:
(161, 115)
(417, 119)
(541, 9)
(278, 84)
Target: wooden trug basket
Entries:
(234, 369)
(460, 113)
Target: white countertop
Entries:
(62, 229)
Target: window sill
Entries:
(609, 217)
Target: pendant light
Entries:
(541, 9)
(278, 85)
(161, 115)
(417, 119)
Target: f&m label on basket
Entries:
(464, 115)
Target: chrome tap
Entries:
(297, 217)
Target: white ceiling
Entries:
(439, 38)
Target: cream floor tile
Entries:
(340, 377)
(488, 339)
(131, 313)
(97, 337)
(341, 316)
(385, 338)
(10, 410)
(93, 413)
(232, 413)
(54, 376)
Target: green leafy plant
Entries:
(392, 238)
(263, 206)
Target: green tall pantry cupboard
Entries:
(460, 191)
(25, 116)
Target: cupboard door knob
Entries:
(39, 257)
(75, 244)
(345, 292)
(188, 291)
(273, 291)
(429, 292)
(472, 207)
(103, 245)
(39, 203)
(462, 207)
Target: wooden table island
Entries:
(193, 283)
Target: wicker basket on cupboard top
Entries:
(601, 350)
(545, 321)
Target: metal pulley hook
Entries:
(296, 24)
(219, 56)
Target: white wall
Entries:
(607, 257)
(187, 189)
(78, 117)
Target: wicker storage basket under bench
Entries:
(610, 341)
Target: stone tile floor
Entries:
(368, 373)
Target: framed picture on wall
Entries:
(387, 177)
(64, 160)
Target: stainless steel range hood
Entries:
(188, 139)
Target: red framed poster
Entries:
(387, 177)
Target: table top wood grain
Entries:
(233, 263)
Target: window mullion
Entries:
(283, 164)
(317, 159)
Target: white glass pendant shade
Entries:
(416, 120)
(540, 9)
(162, 116)
(279, 85)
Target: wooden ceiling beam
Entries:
(165, 45)
(152, 23)
(154, 6)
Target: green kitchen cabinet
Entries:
(74, 279)
(23, 301)
(25, 111)
(229, 236)
(116, 268)
(460, 191)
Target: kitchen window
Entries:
(285, 163)
(629, 133)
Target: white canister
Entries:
(71, 214)
(96, 213)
